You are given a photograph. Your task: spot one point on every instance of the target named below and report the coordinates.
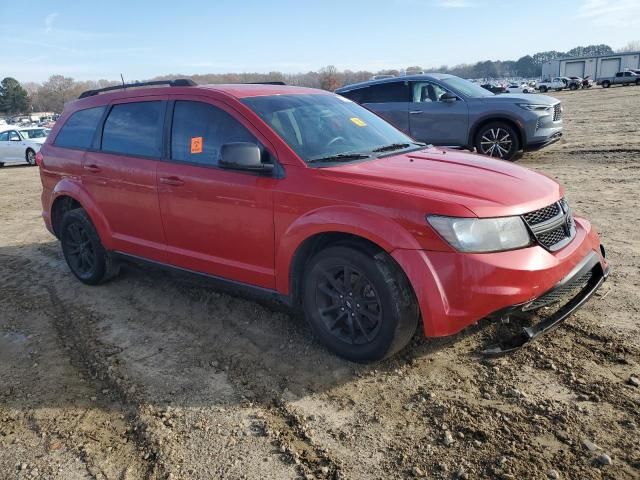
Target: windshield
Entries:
(320, 126)
(466, 88)
(34, 133)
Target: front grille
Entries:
(552, 226)
(544, 214)
(557, 112)
(568, 290)
(552, 237)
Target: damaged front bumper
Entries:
(578, 287)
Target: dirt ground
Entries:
(160, 376)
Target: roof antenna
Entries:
(122, 81)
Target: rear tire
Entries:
(498, 140)
(544, 89)
(30, 156)
(370, 316)
(87, 258)
(606, 84)
(573, 86)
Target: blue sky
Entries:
(141, 39)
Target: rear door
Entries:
(120, 174)
(216, 221)
(14, 147)
(435, 121)
(5, 147)
(390, 100)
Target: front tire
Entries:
(360, 306)
(87, 258)
(573, 87)
(544, 89)
(30, 156)
(498, 140)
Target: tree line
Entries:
(50, 96)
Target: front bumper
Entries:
(579, 286)
(455, 290)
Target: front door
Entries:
(11, 149)
(432, 120)
(216, 221)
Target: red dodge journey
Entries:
(305, 196)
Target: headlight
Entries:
(535, 107)
(480, 235)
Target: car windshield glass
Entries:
(320, 126)
(466, 88)
(35, 133)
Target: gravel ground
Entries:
(158, 375)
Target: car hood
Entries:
(485, 186)
(521, 98)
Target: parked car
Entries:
(493, 88)
(620, 78)
(447, 110)
(20, 145)
(304, 196)
(520, 88)
(559, 83)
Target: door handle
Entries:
(173, 181)
(93, 168)
(416, 112)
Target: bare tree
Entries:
(632, 46)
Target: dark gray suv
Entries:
(450, 111)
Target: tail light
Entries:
(39, 159)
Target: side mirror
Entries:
(448, 97)
(243, 156)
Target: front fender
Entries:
(367, 224)
(72, 188)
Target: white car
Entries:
(520, 88)
(20, 145)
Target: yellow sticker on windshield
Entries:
(358, 122)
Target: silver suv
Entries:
(450, 111)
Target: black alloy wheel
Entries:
(358, 302)
(83, 250)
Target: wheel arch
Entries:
(371, 232)
(69, 195)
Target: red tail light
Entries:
(39, 159)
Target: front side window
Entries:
(318, 126)
(199, 130)
(13, 135)
(79, 129)
(427, 92)
(134, 129)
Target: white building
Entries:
(595, 66)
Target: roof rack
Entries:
(266, 83)
(179, 82)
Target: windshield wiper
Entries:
(398, 146)
(340, 157)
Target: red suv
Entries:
(307, 197)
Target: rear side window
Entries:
(387, 93)
(78, 130)
(134, 129)
(199, 130)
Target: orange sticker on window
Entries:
(196, 145)
(358, 121)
